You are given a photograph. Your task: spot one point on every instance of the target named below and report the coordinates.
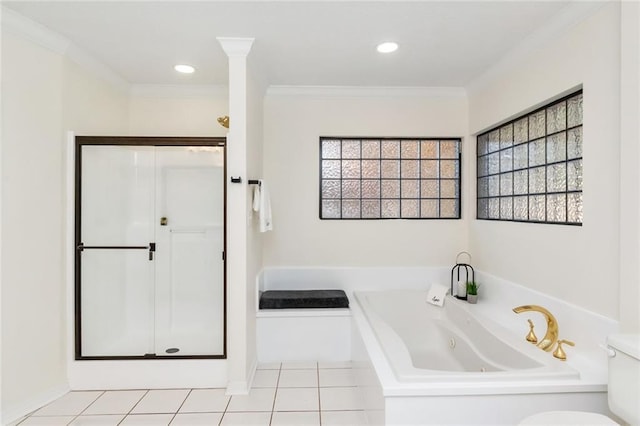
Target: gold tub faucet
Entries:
(551, 336)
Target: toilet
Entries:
(624, 389)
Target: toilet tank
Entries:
(624, 377)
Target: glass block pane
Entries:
(493, 143)
(409, 209)
(330, 189)
(351, 209)
(481, 148)
(449, 189)
(390, 209)
(429, 149)
(537, 125)
(409, 149)
(370, 149)
(556, 117)
(536, 180)
(574, 143)
(370, 169)
(506, 160)
(350, 169)
(494, 208)
(390, 149)
(483, 166)
(448, 149)
(557, 208)
(483, 187)
(429, 168)
(537, 208)
(429, 188)
(370, 189)
(494, 162)
(390, 169)
(483, 209)
(350, 189)
(521, 131)
(506, 208)
(520, 208)
(330, 149)
(449, 169)
(536, 152)
(557, 177)
(506, 135)
(449, 208)
(409, 169)
(520, 156)
(574, 175)
(556, 147)
(574, 207)
(494, 186)
(574, 111)
(506, 184)
(410, 189)
(521, 182)
(390, 189)
(331, 209)
(350, 149)
(331, 169)
(370, 209)
(429, 208)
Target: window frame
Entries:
(546, 165)
(419, 198)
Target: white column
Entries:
(237, 50)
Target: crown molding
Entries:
(25, 28)
(367, 91)
(180, 90)
(571, 15)
(30, 30)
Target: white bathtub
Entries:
(418, 364)
(423, 342)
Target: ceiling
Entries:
(442, 43)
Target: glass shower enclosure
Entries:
(150, 239)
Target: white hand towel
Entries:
(262, 205)
(436, 294)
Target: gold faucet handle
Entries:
(531, 337)
(559, 352)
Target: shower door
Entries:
(150, 248)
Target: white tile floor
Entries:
(300, 394)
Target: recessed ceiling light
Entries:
(185, 69)
(387, 47)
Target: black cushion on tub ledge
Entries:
(296, 299)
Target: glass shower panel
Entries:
(189, 314)
(116, 228)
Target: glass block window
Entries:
(530, 169)
(384, 178)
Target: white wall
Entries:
(293, 125)
(33, 333)
(177, 111)
(576, 264)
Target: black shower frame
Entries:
(81, 141)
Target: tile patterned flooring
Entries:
(299, 394)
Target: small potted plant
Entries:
(472, 292)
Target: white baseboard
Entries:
(241, 387)
(14, 412)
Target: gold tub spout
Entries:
(551, 336)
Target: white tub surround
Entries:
(323, 334)
(406, 343)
